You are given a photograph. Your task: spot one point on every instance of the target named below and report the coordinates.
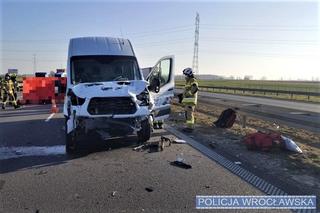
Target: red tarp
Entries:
(42, 89)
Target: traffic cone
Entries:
(54, 108)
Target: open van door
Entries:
(161, 87)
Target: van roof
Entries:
(100, 46)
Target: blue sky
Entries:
(271, 39)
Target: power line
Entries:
(257, 28)
(186, 27)
(262, 41)
(187, 39)
(134, 34)
(265, 26)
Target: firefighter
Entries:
(190, 98)
(1, 92)
(15, 85)
(8, 92)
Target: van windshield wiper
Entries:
(127, 82)
(93, 84)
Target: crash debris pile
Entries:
(158, 146)
(268, 141)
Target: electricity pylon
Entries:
(195, 61)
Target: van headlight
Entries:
(75, 100)
(143, 98)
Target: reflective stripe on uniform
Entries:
(189, 97)
(189, 101)
(190, 121)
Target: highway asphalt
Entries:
(104, 176)
(293, 105)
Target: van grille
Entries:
(113, 106)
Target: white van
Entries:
(107, 92)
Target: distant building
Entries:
(60, 73)
(248, 77)
(13, 71)
(60, 70)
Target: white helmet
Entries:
(188, 72)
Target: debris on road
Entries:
(77, 196)
(275, 125)
(179, 141)
(180, 157)
(237, 162)
(213, 144)
(138, 148)
(291, 145)
(113, 194)
(166, 139)
(157, 146)
(149, 189)
(263, 141)
(267, 141)
(181, 164)
(42, 172)
(226, 119)
(17, 152)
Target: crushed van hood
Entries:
(109, 89)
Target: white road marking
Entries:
(299, 113)
(50, 116)
(23, 151)
(250, 104)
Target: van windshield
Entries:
(86, 69)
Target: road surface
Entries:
(105, 176)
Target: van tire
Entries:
(70, 141)
(145, 133)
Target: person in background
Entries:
(15, 85)
(189, 98)
(1, 85)
(8, 92)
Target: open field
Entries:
(296, 86)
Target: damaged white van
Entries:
(106, 91)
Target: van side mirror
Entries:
(154, 85)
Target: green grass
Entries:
(302, 86)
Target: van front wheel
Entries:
(145, 133)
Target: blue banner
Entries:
(256, 202)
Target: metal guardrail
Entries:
(264, 91)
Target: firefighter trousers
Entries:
(7, 96)
(189, 113)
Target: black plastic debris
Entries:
(42, 172)
(181, 164)
(149, 189)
